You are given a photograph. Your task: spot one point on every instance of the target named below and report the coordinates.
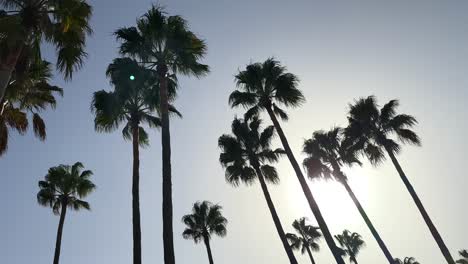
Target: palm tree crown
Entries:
(206, 219)
(307, 236)
(28, 94)
(373, 128)
(406, 260)
(352, 243)
(266, 85)
(464, 255)
(65, 186)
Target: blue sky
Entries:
(411, 50)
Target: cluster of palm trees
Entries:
(153, 53)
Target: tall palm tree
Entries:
(206, 219)
(327, 153)
(407, 260)
(352, 243)
(25, 24)
(64, 187)
(134, 101)
(375, 130)
(267, 86)
(164, 44)
(245, 155)
(26, 97)
(464, 255)
(307, 237)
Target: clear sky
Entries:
(415, 51)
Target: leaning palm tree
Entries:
(464, 255)
(134, 101)
(25, 98)
(164, 44)
(26, 24)
(352, 243)
(374, 129)
(407, 260)
(63, 187)
(245, 155)
(327, 152)
(205, 220)
(265, 87)
(307, 237)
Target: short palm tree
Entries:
(352, 244)
(374, 129)
(64, 187)
(464, 255)
(265, 87)
(327, 153)
(205, 220)
(134, 101)
(245, 155)
(306, 237)
(407, 260)
(164, 44)
(25, 98)
(25, 24)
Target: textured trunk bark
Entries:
(369, 224)
(208, 250)
(58, 242)
(168, 236)
(136, 197)
(438, 238)
(305, 188)
(274, 215)
(310, 255)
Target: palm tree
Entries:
(327, 153)
(464, 255)
(352, 243)
(164, 44)
(244, 156)
(64, 186)
(267, 86)
(26, 97)
(307, 238)
(25, 24)
(407, 260)
(206, 219)
(134, 101)
(374, 129)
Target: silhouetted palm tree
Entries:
(267, 86)
(26, 24)
(464, 255)
(64, 186)
(206, 219)
(134, 101)
(165, 43)
(327, 154)
(407, 260)
(374, 129)
(352, 243)
(27, 95)
(307, 237)
(244, 156)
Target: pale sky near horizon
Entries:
(415, 51)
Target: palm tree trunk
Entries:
(274, 215)
(305, 188)
(208, 249)
(438, 238)
(6, 68)
(58, 242)
(136, 196)
(310, 254)
(168, 236)
(369, 224)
